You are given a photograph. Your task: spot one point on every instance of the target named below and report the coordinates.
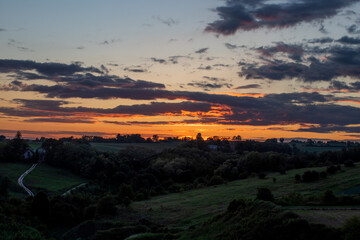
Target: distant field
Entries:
(115, 147)
(34, 145)
(192, 207)
(317, 149)
(44, 177)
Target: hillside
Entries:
(44, 177)
(194, 206)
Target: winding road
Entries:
(21, 179)
(21, 182)
(69, 191)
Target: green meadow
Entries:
(43, 177)
(193, 207)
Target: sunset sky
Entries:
(255, 68)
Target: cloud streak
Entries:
(247, 15)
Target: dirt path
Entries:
(69, 191)
(21, 179)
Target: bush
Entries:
(323, 175)
(351, 229)
(331, 169)
(126, 191)
(292, 199)
(329, 197)
(40, 206)
(349, 163)
(297, 178)
(264, 194)
(216, 180)
(234, 205)
(261, 175)
(106, 206)
(310, 176)
(90, 212)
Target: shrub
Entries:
(310, 176)
(264, 194)
(297, 178)
(234, 205)
(106, 206)
(292, 199)
(216, 180)
(329, 197)
(323, 175)
(351, 229)
(126, 191)
(349, 163)
(40, 206)
(261, 175)
(331, 169)
(90, 212)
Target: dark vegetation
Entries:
(135, 174)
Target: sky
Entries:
(256, 68)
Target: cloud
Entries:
(349, 40)
(249, 86)
(158, 60)
(202, 50)
(56, 111)
(111, 41)
(295, 52)
(223, 109)
(135, 70)
(214, 79)
(48, 69)
(340, 61)
(330, 129)
(206, 85)
(321, 40)
(3, 30)
(18, 45)
(205, 68)
(47, 133)
(353, 29)
(232, 46)
(169, 21)
(340, 85)
(251, 15)
(61, 120)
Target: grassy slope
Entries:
(34, 145)
(13, 172)
(44, 177)
(195, 206)
(53, 180)
(115, 147)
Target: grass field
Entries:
(195, 206)
(334, 218)
(34, 145)
(52, 180)
(13, 172)
(303, 147)
(115, 147)
(44, 177)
